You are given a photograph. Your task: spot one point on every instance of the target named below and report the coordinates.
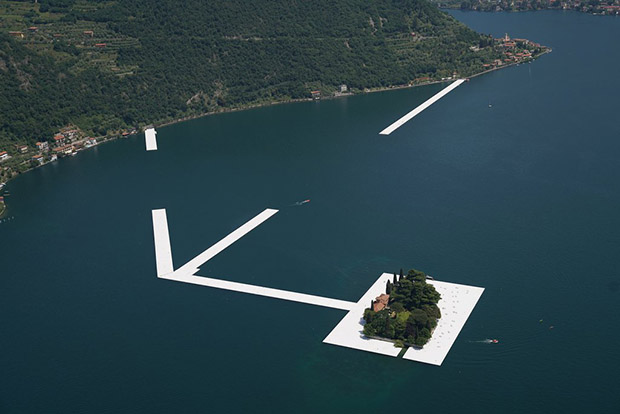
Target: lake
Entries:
(521, 198)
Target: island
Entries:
(406, 313)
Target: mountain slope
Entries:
(106, 66)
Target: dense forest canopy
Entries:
(107, 66)
(410, 314)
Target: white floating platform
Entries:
(456, 304)
(419, 109)
(151, 141)
(163, 252)
(349, 331)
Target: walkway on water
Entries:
(186, 273)
(419, 109)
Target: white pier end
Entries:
(163, 251)
(151, 141)
(422, 107)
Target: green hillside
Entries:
(107, 66)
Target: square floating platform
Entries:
(456, 304)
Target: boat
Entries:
(494, 341)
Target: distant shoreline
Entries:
(370, 90)
(107, 138)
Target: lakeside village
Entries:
(515, 51)
(597, 7)
(67, 142)
(407, 313)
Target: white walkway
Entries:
(151, 141)
(191, 267)
(419, 109)
(261, 291)
(163, 252)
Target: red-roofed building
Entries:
(4, 155)
(380, 302)
(59, 139)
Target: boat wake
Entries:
(486, 341)
(299, 203)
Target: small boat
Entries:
(494, 341)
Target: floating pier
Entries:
(151, 141)
(262, 291)
(192, 266)
(163, 252)
(419, 109)
(456, 304)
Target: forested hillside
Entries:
(107, 66)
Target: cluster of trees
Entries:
(411, 314)
(225, 53)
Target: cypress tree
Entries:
(372, 302)
(395, 280)
(401, 273)
(388, 287)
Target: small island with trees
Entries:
(406, 313)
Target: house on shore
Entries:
(39, 158)
(43, 146)
(4, 156)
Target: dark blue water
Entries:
(520, 198)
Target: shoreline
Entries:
(108, 138)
